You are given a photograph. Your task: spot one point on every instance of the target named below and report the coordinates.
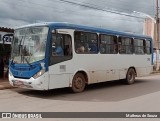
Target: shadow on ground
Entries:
(101, 92)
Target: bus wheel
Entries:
(130, 77)
(78, 83)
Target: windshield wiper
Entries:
(21, 52)
(26, 60)
(20, 47)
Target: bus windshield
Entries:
(29, 44)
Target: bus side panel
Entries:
(59, 75)
(122, 73)
(58, 81)
(100, 67)
(149, 69)
(97, 76)
(144, 65)
(106, 68)
(144, 71)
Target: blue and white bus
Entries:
(55, 55)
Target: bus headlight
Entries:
(40, 73)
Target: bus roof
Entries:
(65, 25)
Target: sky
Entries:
(110, 14)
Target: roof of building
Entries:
(5, 29)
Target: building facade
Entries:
(150, 30)
(6, 37)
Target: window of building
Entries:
(86, 43)
(125, 45)
(108, 44)
(139, 46)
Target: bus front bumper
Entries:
(40, 83)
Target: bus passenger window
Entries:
(80, 49)
(148, 47)
(86, 43)
(121, 48)
(108, 44)
(139, 46)
(67, 46)
(125, 45)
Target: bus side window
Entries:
(148, 47)
(67, 46)
(108, 44)
(115, 45)
(139, 46)
(79, 48)
(119, 45)
(61, 49)
(93, 43)
(125, 45)
(86, 42)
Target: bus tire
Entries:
(78, 83)
(130, 76)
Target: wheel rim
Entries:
(78, 83)
(130, 76)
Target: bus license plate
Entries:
(18, 83)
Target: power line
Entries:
(62, 11)
(96, 8)
(112, 5)
(91, 7)
(99, 6)
(22, 3)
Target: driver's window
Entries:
(57, 45)
(61, 49)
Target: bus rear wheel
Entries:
(78, 83)
(130, 77)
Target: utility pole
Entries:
(157, 33)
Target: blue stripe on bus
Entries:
(93, 29)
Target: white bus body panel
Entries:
(59, 77)
(98, 67)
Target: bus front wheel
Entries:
(130, 77)
(78, 83)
